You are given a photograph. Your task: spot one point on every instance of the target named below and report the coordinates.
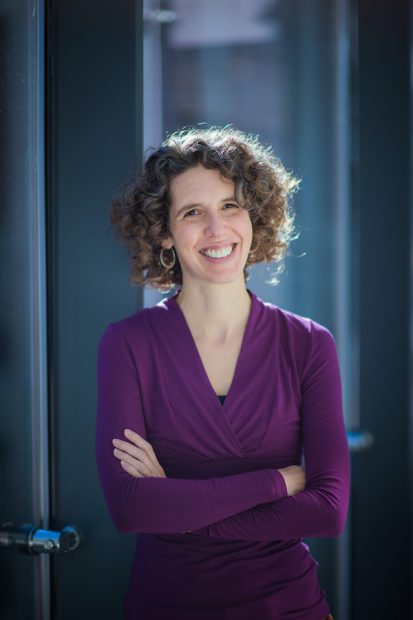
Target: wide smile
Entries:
(222, 259)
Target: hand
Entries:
(294, 477)
(137, 456)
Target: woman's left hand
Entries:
(137, 456)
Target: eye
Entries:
(231, 204)
(189, 212)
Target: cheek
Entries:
(248, 226)
(184, 237)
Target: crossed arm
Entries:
(248, 506)
(159, 504)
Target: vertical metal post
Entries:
(410, 361)
(153, 132)
(343, 275)
(38, 311)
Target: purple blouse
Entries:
(244, 557)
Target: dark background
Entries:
(94, 137)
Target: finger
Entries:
(144, 445)
(140, 455)
(142, 468)
(145, 470)
(137, 439)
(140, 442)
(131, 470)
(129, 448)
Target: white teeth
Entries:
(218, 253)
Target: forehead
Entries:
(198, 184)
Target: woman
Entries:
(208, 401)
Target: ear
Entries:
(167, 243)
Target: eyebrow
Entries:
(199, 204)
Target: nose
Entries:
(214, 225)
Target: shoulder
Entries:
(297, 326)
(303, 325)
(135, 329)
(302, 340)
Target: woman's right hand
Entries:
(294, 477)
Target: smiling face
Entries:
(205, 215)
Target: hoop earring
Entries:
(161, 258)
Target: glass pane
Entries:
(276, 69)
(16, 502)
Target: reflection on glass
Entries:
(272, 68)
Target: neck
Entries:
(216, 313)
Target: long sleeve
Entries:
(159, 505)
(321, 509)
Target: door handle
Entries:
(33, 540)
(359, 441)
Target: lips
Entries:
(218, 247)
(221, 259)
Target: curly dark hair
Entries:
(140, 215)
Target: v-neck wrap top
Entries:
(219, 538)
